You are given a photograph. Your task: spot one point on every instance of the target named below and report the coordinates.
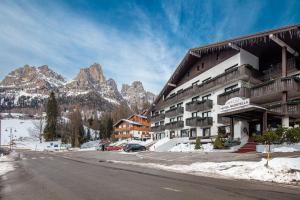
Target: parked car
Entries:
(4, 151)
(113, 148)
(134, 147)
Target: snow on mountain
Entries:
(136, 95)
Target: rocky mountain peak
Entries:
(136, 95)
(92, 74)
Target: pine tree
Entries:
(198, 143)
(50, 131)
(77, 129)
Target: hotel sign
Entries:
(235, 103)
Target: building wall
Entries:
(240, 58)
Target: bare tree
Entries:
(37, 130)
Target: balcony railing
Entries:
(238, 92)
(174, 112)
(158, 117)
(122, 136)
(174, 125)
(199, 121)
(199, 105)
(158, 128)
(291, 108)
(271, 90)
(244, 72)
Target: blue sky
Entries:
(132, 40)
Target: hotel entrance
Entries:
(251, 121)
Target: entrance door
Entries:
(255, 128)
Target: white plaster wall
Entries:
(243, 57)
(248, 58)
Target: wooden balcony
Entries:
(159, 128)
(238, 92)
(271, 91)
(199, 105)
(174, 112)
(244, 73)
(159, 117)
(122, 136)
(199, 121)
(291, 108)
(174, 125)
(133, 128)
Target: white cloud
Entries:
(67, 42)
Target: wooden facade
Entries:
(136, 126)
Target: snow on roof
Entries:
(128, 121)
(142, 116)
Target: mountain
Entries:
(28, 88)
(136, 95)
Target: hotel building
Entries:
(238, 87)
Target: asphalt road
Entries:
(45, 176)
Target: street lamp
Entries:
(10, 135)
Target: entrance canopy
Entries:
(250, 113)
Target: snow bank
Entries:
(284, 149)
(5, 165)
(183, 147)
(90, 144)
(159, 143)
(280, 170)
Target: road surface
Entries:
(47, 176)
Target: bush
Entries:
(218, 143)
(198, 143)
(292, 135)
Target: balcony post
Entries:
(283, 63)
(265, 122)
(231, 128)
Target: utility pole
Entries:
(10, 136)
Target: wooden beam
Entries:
(195, 54)
(171, 84)
(283, 44)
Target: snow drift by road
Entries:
(280, 170)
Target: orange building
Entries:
(136, 126)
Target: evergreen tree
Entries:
(198, 143)
(88, 135)
(50, 131)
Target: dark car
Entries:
(134, 147)
(4, 151)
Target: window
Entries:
(195, 83)
(202, 65)
(184, 133)
(179, 91)
(206, 114)
(206, 97)
(198, 68)
(173, 94)
(195, 98)
(228, 89)
(180, 104)
(206, 132)
(172, 119)
(162, 122)
(205, 80)
(179, 118)
(156, 124)
(193, 133)
(162, 111)
(194, 114)
(172, 107)
(232, 67)
(217, 56)
(188, 74)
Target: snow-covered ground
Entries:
(131, 141)
(284, 149)
(187, 147)
(280, 170)
(159, 143)
(6, 165)
(19, 128)
(22, 135)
